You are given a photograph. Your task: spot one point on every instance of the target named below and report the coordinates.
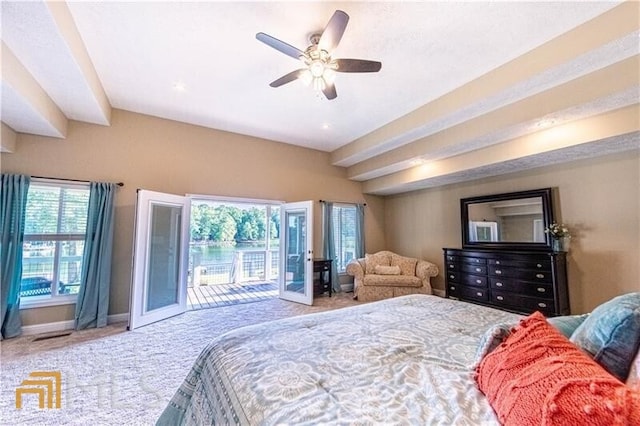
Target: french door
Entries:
(160, 256)
(296, 252)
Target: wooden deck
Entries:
(211, 296)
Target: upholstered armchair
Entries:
(386, 274)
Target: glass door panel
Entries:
(159, 280)
(164, 257)
(296, 252)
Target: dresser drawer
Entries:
(474, 293)
(453, 290)
(473, 260)
(475, 280)
(522, 303)
(542, 264)
(473, 268)
(453, 276)
(321, 267)
(520, 274)
(530, 289)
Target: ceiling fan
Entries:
(319, 67)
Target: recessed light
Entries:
(325, 126)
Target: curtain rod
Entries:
(70, 180)
(341, 202)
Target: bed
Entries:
(406, 360)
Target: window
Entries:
(344, 234)
(55, 227)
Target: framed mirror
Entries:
(513, 221)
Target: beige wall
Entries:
(167, 156)
(598, 198)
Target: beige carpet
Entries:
(113, 376)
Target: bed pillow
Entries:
(491, 339)
(538, 377)
(611, 334)
(373, 260)
(387, 270)
(567, 324)
(407, 265)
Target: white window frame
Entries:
(52, 299)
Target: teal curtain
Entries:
(93, 297)
(13, 204)
(359, 231)
(328, 244)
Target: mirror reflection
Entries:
(517, 220)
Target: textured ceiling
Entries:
(457, 79)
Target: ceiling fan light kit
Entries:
(319, 68)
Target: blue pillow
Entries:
(611, 334)
(567, 324)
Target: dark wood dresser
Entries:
(515, 281)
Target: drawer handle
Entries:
(478, 281)
(498, 272)
(452, 287)
(498, 284)
(477, 260)
(479, 294)
(453, 277)
(541, 290)
(542, 305)
(478, 269)
(539, 265)
(499, 297)
(539, 275)
(451, 266)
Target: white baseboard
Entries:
(49, 327)
(438, 292)
(118, 318)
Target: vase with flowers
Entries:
(560, 236)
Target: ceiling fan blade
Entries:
(330, 91)
(280, 45)
(287, 78)
(357, 65)
(333, 31)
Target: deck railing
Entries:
(247, 265)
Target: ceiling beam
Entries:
(602, 30)
(22, 91)
(7, 139)
(521, 116)
(67, 28)
(572, 140)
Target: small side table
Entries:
(322, 276)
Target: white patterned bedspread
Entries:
(407, 360)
